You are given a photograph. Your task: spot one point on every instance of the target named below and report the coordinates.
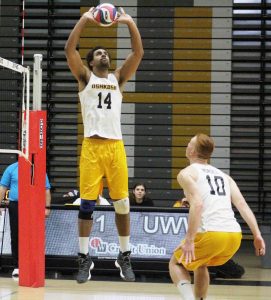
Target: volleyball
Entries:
(105, 14)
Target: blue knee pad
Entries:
(86, 209)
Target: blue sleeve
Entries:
(6, 178)
(47, 184)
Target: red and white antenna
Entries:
(22, 31)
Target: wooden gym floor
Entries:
(255, 284)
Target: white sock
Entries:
(83, 245)
(124, 243)
(185, 289)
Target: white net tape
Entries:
(24, 145)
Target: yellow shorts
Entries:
(212, 249)
(99, 158)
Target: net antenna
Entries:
(37, 86)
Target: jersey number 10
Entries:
(216, 184)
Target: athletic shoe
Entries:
(123, 263)
(229, 270)
(85, 267)
(15, 274)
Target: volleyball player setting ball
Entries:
(105, 14)
(100, 93)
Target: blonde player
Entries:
(213, 235)
(103, 152)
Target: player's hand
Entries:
(184, 203)
(123, 18)
(47, 212)
(259, 245)
(90, 17)
(188, 251)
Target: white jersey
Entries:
(214, 188)
(101, 101)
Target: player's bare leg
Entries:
(181, 278)
(201, 282)
(122, 219)
(85, 223)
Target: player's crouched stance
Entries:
(213, 235)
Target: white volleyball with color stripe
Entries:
(105, 14)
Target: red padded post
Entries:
(32, 205)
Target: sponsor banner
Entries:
(154, 235)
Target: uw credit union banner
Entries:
(154, 235)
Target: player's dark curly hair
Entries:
(90, 55)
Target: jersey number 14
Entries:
(106, 101)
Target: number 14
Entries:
(107, 100)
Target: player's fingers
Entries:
(187, 259)
(117, 17)
(260, 252)
(122, 11)
(180, 259)
(194, 256)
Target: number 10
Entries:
(219, 184)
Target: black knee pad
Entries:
(86, 209)
(85, 216)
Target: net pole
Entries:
(32, 205)
(32, 191)
(27, 112)
(37, 82)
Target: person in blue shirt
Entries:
(9, 182)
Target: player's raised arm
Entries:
(130, 65)
(75, 62)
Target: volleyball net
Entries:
(14, 103)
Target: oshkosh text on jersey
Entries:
(104, 86)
